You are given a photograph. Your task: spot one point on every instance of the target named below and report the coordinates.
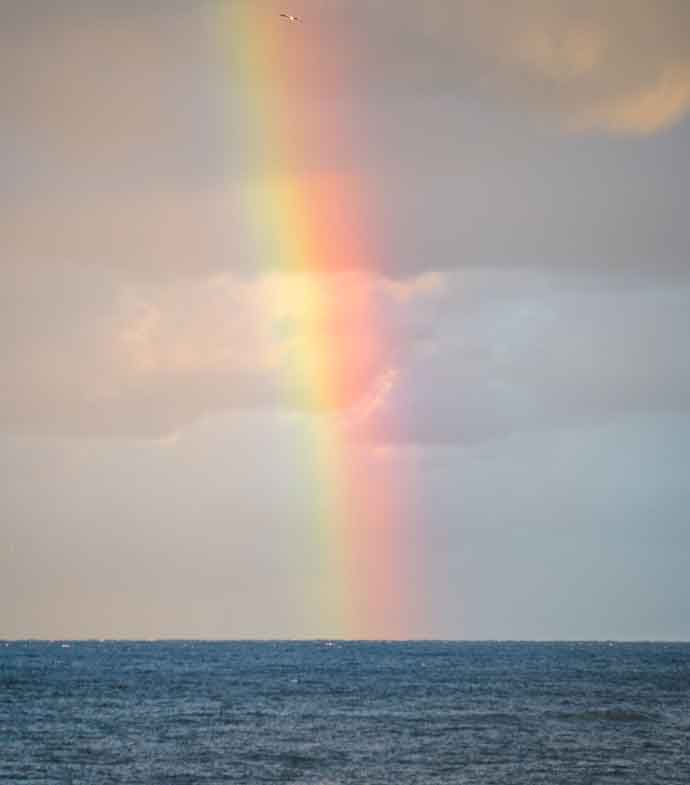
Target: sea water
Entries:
(332, 712)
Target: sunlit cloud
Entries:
(652, 109)
(154, 356)
(619, 67)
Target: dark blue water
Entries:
(344, 713)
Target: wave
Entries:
(608, 715)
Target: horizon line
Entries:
(175, 639)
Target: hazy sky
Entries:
(525, 173)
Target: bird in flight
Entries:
(291, 18)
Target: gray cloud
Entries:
(619, 67)
(535, 355)
(134, 228)
(128, 137)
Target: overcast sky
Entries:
(524, 172)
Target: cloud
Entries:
(403, 290)
(654, 107)
(137, 238)
(457, 358)
(129, 141)
(93, 353)
(104, 358)
(158, 90)
(621, 67)
(536, 353)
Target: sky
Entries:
(386, 310)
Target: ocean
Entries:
(332, 712)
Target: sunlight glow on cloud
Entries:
(621, 67)
(654, 108)
(155, 356)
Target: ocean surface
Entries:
(329, 712)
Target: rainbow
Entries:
(308, 223)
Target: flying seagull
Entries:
(291, 18)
